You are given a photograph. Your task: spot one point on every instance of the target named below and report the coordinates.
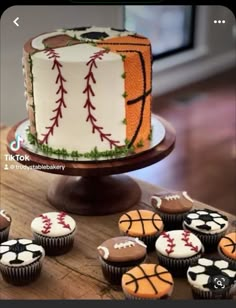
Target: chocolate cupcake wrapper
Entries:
(223, 256)
(219, 294)
(4, 235)
(172, 221)
(55, 245)
(177, 267)
(21, 275)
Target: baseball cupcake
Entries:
(147, 281)
(177, 249)
(20, 261)
(144, 224)
(55, 231)
(208, 225)
(172, 207)
(5, 223)
(119, 254)
(227, 248)
(211, 279)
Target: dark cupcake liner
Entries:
(132, 297)
(4, 234)
(177, 266)
(55, 246)
(113, 273)
(223, 256)
(209, 241)
(21, 275)
(172, 221)
(219, 294)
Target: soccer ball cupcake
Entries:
(211, 279)
(119, 254)
(144, 224)
(177, 249)
(172, 207)
(55, 231)
(227, 248)
(20, 261)
(147, 281)
(5, 223)
(208, 225)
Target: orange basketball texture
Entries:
(228, 245)
(147, 281)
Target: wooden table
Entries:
(77, 274)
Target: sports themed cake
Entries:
(88, 91)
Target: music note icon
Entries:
(15, 144)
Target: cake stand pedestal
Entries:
(93, 187)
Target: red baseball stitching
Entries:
(61, 220)
(185, 238)
(170, 242)
(89, 91)
(51, 54)
(46, 224)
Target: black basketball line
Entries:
(153, 221)
(232, 244)
(129, 220)
(162, 279)
(137, 99)
(149, 280)
(135, 280)
(141, 220)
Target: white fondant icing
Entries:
(193, 216)
(105, 250)
(108, 99)
(205, 262)
(172, 197)
(24, 241)
(180, 250)
(186, 196)
(214, 215)
(124, 244)
(230, 273)
(201, 280)
(198, 269)
(138, 241)
(56, 228)
(202, 212)
(221, 264)
(9, 243)
(3, 249)
(159, 201)
(3, 214)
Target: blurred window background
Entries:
(170, 28)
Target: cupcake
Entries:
(211, 279)
(54, 231)
(20, 261)
(172, 207)
(147, 281)
(208, 225)
(119, 254)
(5, 223)
(227, 248)
(144, 224)
(177, 249)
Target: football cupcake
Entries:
(211, 279)
(147, 281)
(177, 249)
(55, 231)
(20, 261)
(208, 225)
(227, 248)
(119, 254)
(172, 207)
(144, 224)
(5, 224)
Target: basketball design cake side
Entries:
(88, 90)
(227, 248)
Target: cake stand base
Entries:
(94, 195)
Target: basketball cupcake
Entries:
(177, 249)
(147, 281)
(119, 254)
(144, 224)
(208, 225)
(20, 261)
(55, 231)
(211, 279)
(227, 248)
(5, 223)
(172, 207)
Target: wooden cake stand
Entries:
(93, 187)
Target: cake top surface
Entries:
(148, 281)
(140, 223)
(227, 245)
(20, 252)
(53, 224)
(122, 249)
(178, 244)
(206, 221)
(172, 202)
(5, 219)
(206, 274)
